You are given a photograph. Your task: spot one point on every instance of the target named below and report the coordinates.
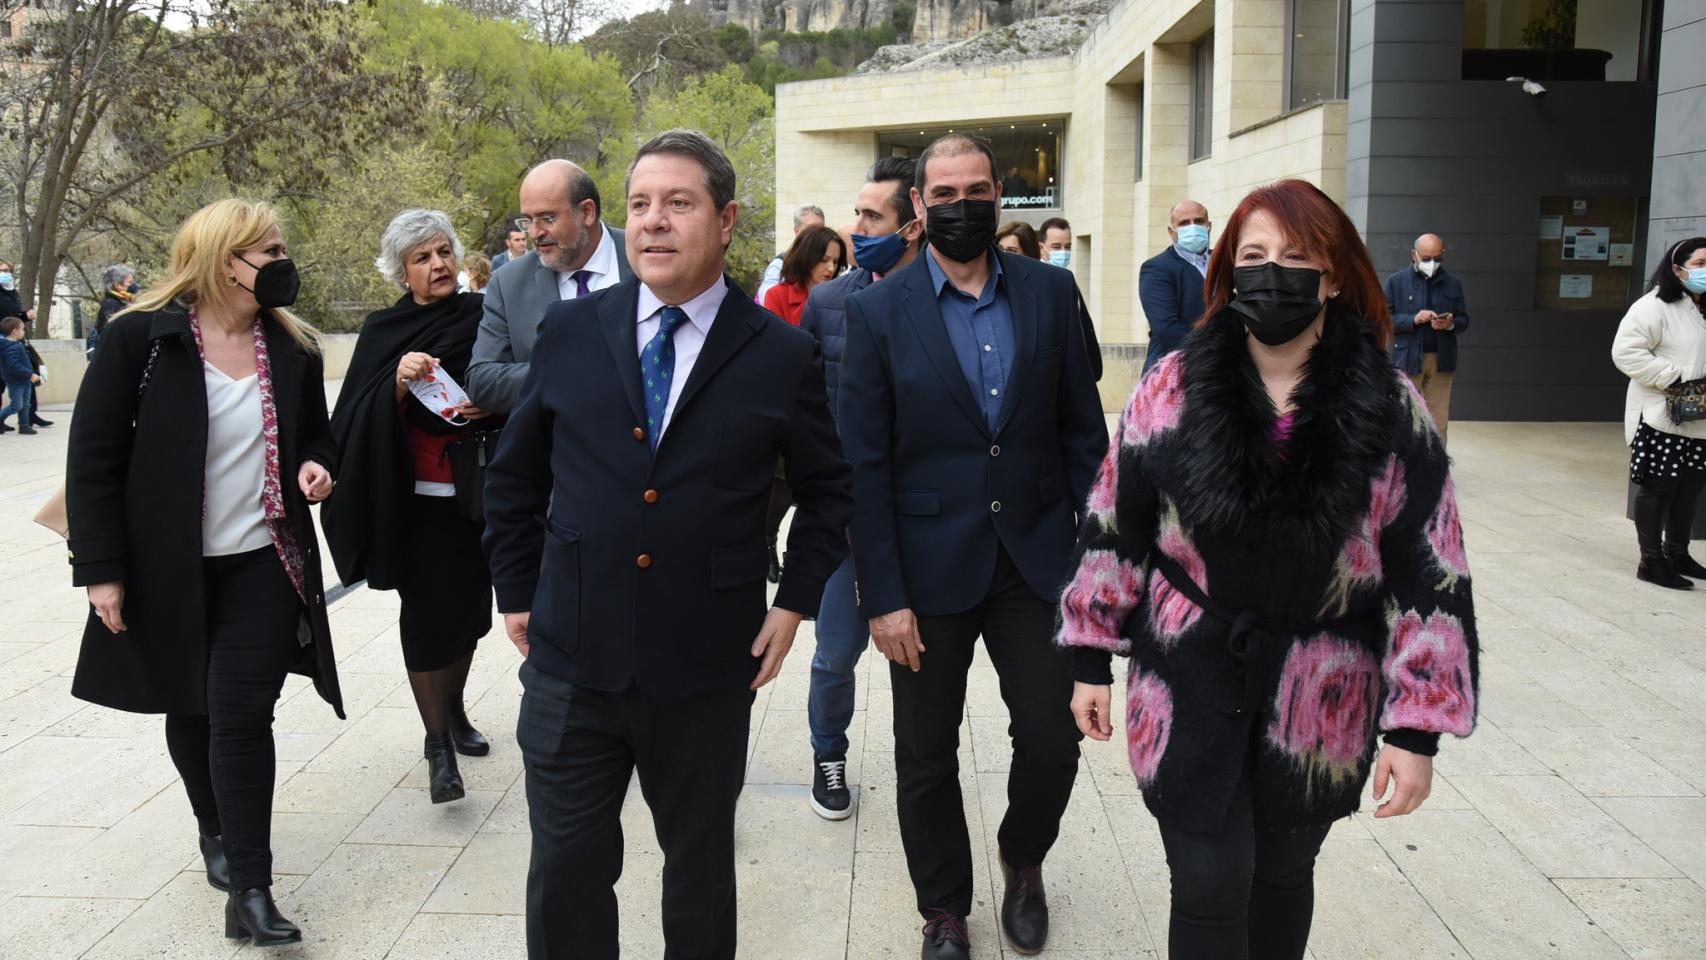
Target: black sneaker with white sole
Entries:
(831, 799)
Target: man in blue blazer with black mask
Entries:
(969, 413)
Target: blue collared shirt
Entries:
(981, 332)
(1198, 260)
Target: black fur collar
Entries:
(1225, 472)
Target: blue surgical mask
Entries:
(879, 254)
(6, 281)
(1060, 258)
(1696, 282)
(1193, 237)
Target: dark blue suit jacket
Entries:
(650, 570)
(1170, 290)
(1409, 293)
(935, 489)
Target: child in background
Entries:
(19, 374)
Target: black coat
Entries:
(134, 501)
(364, 517)
(928, 471)
(650, 570)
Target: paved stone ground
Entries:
(1571, 825)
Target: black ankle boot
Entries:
(446, 780)
(469, 741)
(252, 914)
(1651, 506)
(213, 858)
(1684, 564)
(39, 422)
(1657, 570)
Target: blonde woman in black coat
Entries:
(200, 440)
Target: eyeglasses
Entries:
(546, 220)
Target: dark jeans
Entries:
(580, 747)
(1017, 627)
(226, 757)
(20, 399)
(1246, 893)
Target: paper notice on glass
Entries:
(1551, 226)
(1622, 254)
(440, 393)
(1587, 243)
(1575, 286)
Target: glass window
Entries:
(1555, 39)
(1318, 35)
(1202, 97)
(1027, 155)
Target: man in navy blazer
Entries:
(646, 438)
(974, 428)
(1169, 284)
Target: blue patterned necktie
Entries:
(657, 366)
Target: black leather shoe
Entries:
(945, 937)
(445, 778)
(39, 422)
(213, 858)
(251, 914)
(1686, 565)
(469, 741)
(1657, 570)
(26, 431)
(4, 428)
(1024, 908)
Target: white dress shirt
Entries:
(236, 468)
(602, 266)
(689, 337)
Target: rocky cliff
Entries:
(1058, 29)
(925, 20)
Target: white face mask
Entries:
(1427, 267)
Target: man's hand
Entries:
(1443, 321)
(515, 627)
(35, 378)
(896, 635)
(1425, 317)
(471, 412)
(774, 641)
(1091, 704)
(315, 481)
(1413, 776)
(108, 601)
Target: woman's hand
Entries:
(415, 365)
(1413, 776)
(471, 412)
(108, 601)
(315, 481)
(1091, 704)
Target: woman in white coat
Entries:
(1661, 343)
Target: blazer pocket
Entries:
(1052, 487)
(556, 603)
(918, 503)
(737, 604)
(746, 458)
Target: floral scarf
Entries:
(272, 489)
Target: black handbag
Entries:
(468, 458)
(1686, 401)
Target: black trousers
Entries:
(580, 747)
(1245, 893)
(1017, 627)
(226, 757)
(1664, 512)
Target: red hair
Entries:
(1310, 219)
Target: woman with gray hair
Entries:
(403, 516)
(117, 281)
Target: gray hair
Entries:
(115, 274)
(408, 230)
(809, 210)
(719, 172)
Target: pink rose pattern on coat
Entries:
(1171, 613)
(1445, 535)
(1148, 724)
(1156, 404)
(1093, 606)
(1104, 492)
(1428, 681)
(1324, 708)
(1359, 560)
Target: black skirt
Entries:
(446, 589)
(1654, 453)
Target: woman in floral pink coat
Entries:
(1274, 542)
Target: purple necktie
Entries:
(581, 277)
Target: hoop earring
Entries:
(231, 280)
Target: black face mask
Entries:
(276, 283)
(1277, 303)
(962, 230)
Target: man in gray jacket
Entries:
(886, 237)
(574, 255)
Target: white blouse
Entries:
(236, 520)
